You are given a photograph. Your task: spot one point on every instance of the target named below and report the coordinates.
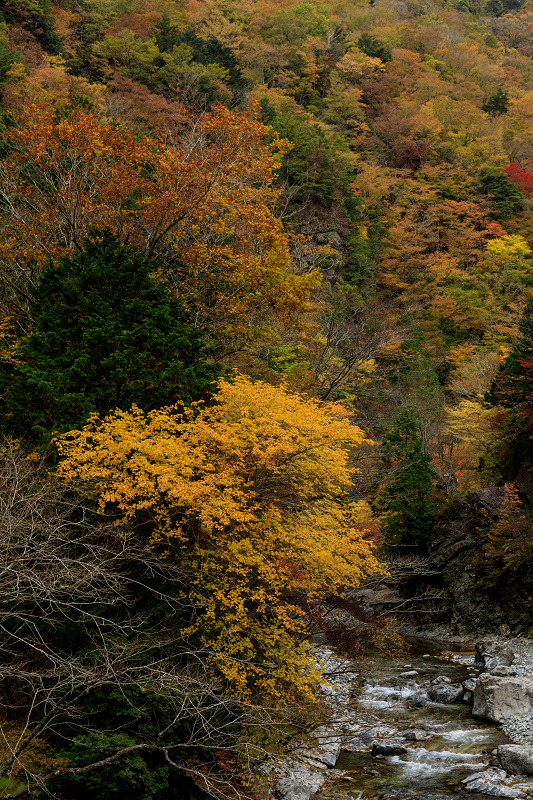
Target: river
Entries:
(447, 743)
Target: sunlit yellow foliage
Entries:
(354, 63)
(474, 369)
(471, 423)
(250, 494)
(50, 84)
(507, 264)
(509, 250)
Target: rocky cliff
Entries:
(442, 592)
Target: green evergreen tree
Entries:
(512, 385)
(497, 103)
(204, 51)
(408, 515)
(104, 336)
(506, 199)
(372, 47)
(7, 58)
(316, 167)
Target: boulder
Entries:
(503, 670)
(491, 654)
(442, 690)
(469, 687)
(516, 758)
(416, 735)
(497, 698)
(388, 747)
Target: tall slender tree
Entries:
(402, 500)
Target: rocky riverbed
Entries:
(405, 729)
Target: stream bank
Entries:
(392, 735)
(387, 739)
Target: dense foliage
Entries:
(328, 205)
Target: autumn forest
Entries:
(266, 309)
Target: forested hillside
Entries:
(265, 278)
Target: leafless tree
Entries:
(405, 588)
(82, 612)
(353, 334)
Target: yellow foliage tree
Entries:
(250, 495)
(470, 424)
(508, 263)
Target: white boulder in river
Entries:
(497, 698)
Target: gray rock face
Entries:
(460, 533)
(446, 585)
(491, 654)
(491, 499)
(464, 526)
(497, 698)
(516, 758)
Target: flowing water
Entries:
(449, 744)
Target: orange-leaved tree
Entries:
(251, 496)
(201, 206)
(507, 564)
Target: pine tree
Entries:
(104, 336)
(505, 197)
(374, 48)
(497, 103)
(512, 386)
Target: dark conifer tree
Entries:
(505, 197)
(104, 336)
(497, 103)
(374, 48)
